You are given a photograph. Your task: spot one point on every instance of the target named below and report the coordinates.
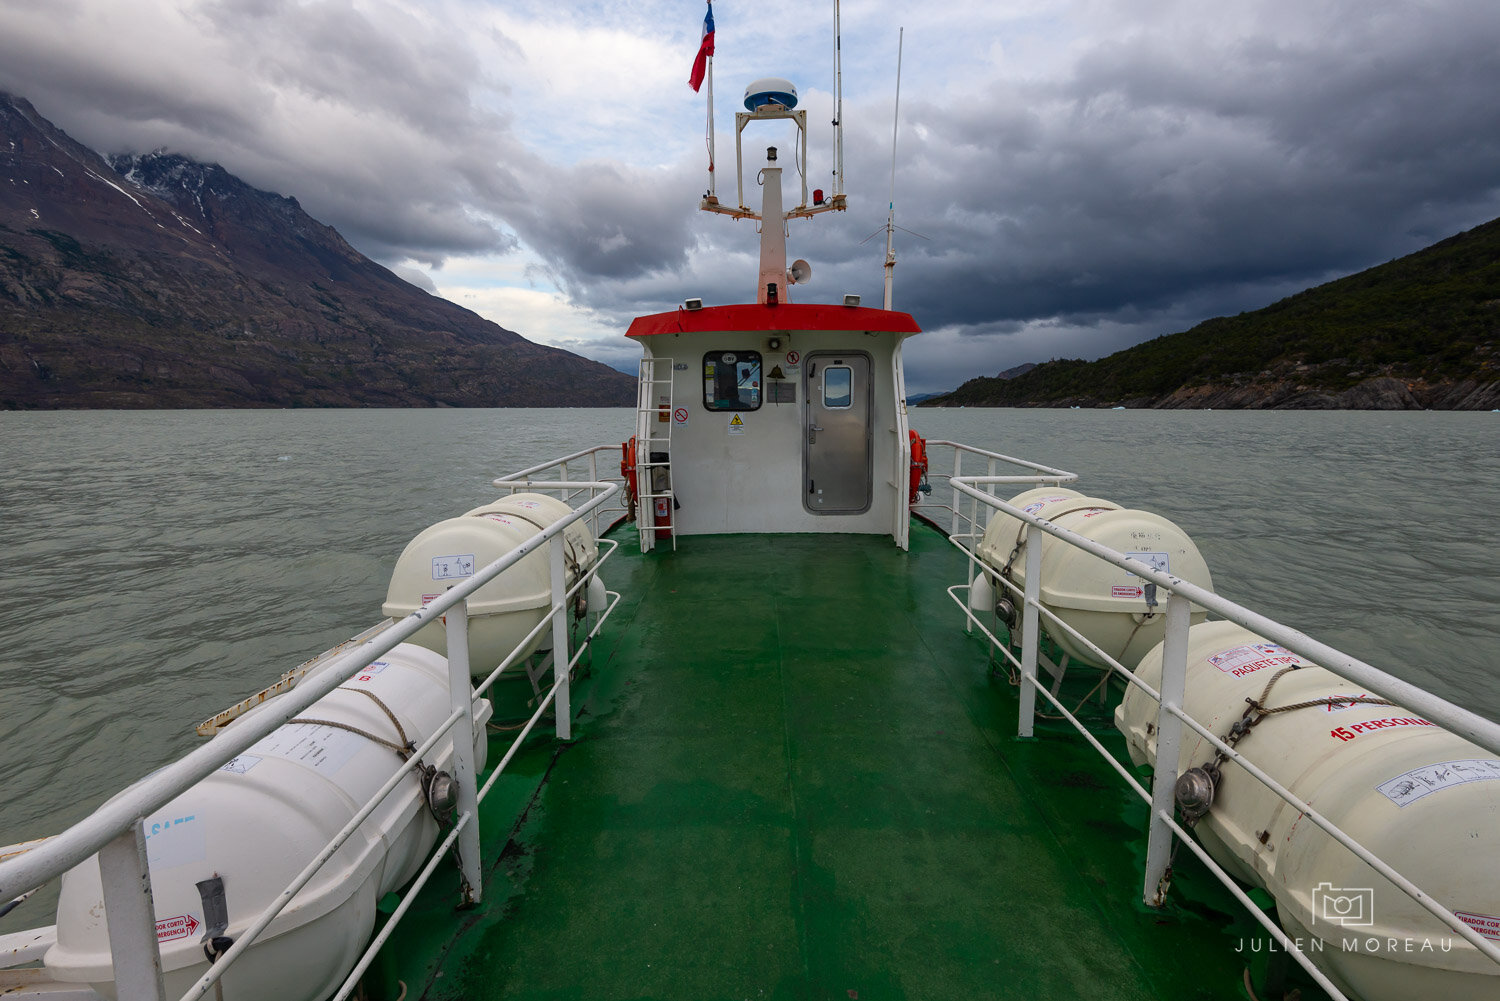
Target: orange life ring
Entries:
(627, 470)
(918, 464)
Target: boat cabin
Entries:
(772, 416)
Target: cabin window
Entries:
(838, 387)
(732, 380)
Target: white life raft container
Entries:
(1425, 801)
(1009, 533)
(258, 821)
(1110, 606)
(985, 595)
(507, 608)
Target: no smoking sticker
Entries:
(680, 415)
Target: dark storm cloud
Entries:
(1159, 181)
(1171, 165)
(367, 115)
(1156, 171)
(604, 221)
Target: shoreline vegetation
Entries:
(1421, 332)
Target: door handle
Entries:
(812, 434)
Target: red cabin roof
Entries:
(785, 316)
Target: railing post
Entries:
(989, 512)
(130, 916)
(978, 513)
(953, 494)
(563, 705)
(594, 478)
(1030, 630)
(1168, 740)
(971, 578)
(461, 696)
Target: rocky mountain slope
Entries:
(1420, 332)
(157, 281)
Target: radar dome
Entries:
(770, 90)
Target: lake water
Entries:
(158, 566)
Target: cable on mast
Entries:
(838, 113)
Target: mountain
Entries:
(1419, 332)
(158, 281)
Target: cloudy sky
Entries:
(1083, 174)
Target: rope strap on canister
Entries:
(1197, 787)
(438, 790)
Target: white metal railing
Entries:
(115, 833)
(528, 479)
(1171, 717)
(1038, 476)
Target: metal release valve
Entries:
(1195, 793)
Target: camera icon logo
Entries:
(1347, 906)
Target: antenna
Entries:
(711, 184)
(838, 112)
(890, 222)
(773, 98)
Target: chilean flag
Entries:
(705, 49)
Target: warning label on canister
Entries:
(1252, 657)
(180, 926)
(1485, 924)
(456, 566)
(1408, 787)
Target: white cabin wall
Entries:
(901, 515)
(752, 482)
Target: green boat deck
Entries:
(795, 776)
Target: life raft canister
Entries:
(1115, 610)
(259, 819)
(1418, 796)
(508, 608)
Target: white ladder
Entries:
(653, 435)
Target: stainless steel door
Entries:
(836, 432)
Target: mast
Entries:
(890, 221)
(770, 99)
(770, 288)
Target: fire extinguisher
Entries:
(661, 507)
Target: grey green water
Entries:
(156, 567)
